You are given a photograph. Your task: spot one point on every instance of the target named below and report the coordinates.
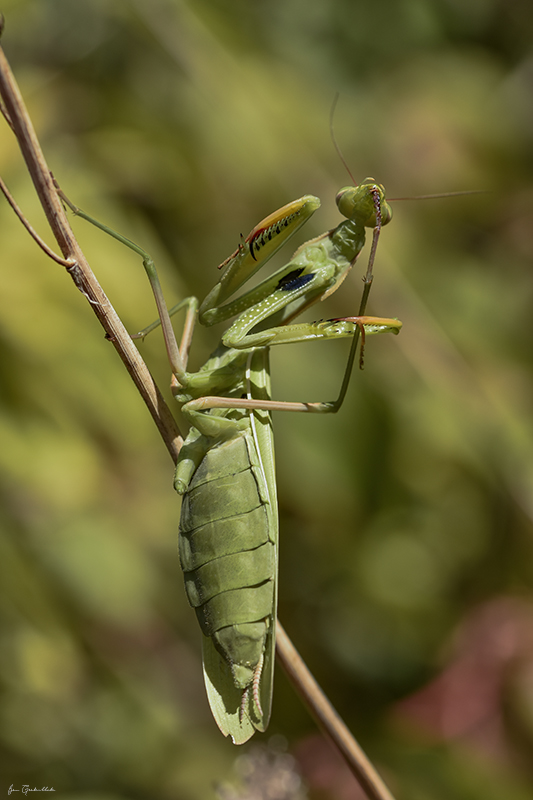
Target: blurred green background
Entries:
(406, 521)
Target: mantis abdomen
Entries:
(228, 555)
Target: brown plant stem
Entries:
(327, 718)
(78, 268)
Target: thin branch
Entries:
(65, 262)
(78, 268)
(84, 279)
(327, 717)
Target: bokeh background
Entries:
(406, 521)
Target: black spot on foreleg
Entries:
(294, 280)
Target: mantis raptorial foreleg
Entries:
(225, 471)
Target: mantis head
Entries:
(365, 203)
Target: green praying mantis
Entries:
(228, 533)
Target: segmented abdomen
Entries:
(227, 553)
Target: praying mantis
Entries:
(228, 533)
